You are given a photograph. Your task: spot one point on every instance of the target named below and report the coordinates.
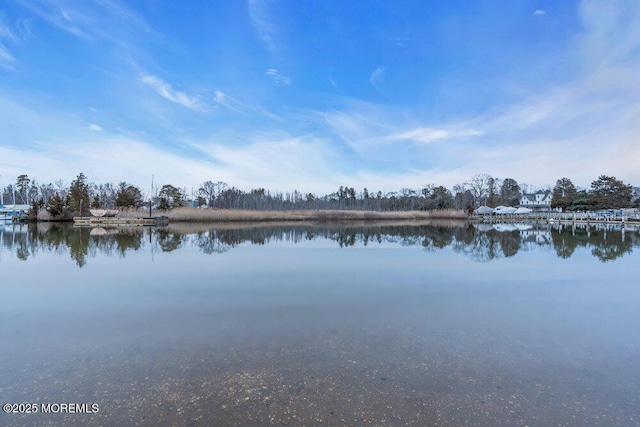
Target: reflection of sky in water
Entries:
(567, 324)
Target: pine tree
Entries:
(170, 197)
(510, 192)
(56, 206)
(78, 194)
(607, 192)
(128, 196)
(564, 193)
(95, 203)
(22, 183)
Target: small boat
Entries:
(484, 210)
(504, 210)
(103, 212)
(522, 211)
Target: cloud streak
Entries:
(429, 135)
(165, 90)
(276, 77)
(94, 20)
(233, 104)
(376, 78)
(7, 60)
(260, 17)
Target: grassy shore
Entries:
(199, 227)
(226, 215)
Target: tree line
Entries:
(606, 192)
(62, 201)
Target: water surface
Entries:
(337, 324)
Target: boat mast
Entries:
(151, 198)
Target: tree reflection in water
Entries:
(480, 242)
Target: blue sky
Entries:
(311, 95)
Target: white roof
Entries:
(523, 211)
(504, 210)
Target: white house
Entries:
(540, 200)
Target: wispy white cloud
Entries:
(428, 135)
(226, 101)
(52, 144)
(612, 33)
(7, 60)
(165, 90)
(359, 125)
(539, 12)
(333, 82)
(259, 13)
(278, 78)
(376, 78)
(95, 128)
(275, 160)
(62, 17)
(593, 119)
(233, 104)
(110, 20)
(5, 31)
(103, 159)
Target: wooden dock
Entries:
(559, 218)
(92, 221)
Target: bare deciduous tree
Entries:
(479, 187)
(211, 191)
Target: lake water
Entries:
(355, 324)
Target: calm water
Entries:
(443, 324)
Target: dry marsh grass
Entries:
(185, 227)
(228, 215)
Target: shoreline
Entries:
(237, 215)
(186, 214)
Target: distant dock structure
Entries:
(92, 221)
(611, 216)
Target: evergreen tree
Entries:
(582, 202)
(607, 192)
(510, 193)
(78, 194)
(128, 196)
(22, 184)
(95, 203)
(442, 197)
(171, 197)
(56, 206)
(563, 194)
